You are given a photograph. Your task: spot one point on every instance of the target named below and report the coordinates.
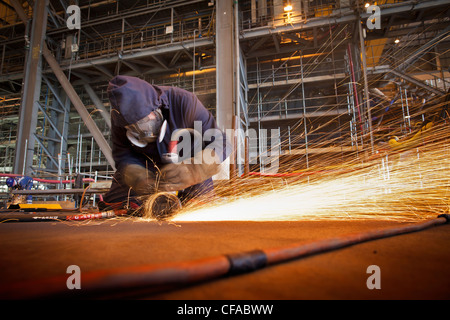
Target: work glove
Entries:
(141, 180)
(179, 176)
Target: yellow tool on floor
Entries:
(36, 206)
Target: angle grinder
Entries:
(161, 206)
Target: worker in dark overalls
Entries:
(21, 183)
(147, 122)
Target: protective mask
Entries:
(146, 130)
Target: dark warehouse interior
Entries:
(333, 183)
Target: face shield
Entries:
(146, 130)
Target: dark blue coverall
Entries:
(23, 183)
(133, 99)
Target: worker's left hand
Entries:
(179, 176)
(141, 180)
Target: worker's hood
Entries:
(134, 98)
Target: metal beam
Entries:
(149, 9)
(98, 104)
(59, 191)
(258, 44)
(31, 92)
(276, 42)
(50, 121)
(49, 155)
(133, 67)
(151, 51)
(224, 64)
(417, 82)
(338, 18)
(366, 86)
(6, 5)
(79, 106)
(19, 10)
(297, 81)
(296, 37)
(55, 94)
(296, 116)
(175, 58)
(424, 49)
(161, 62)
(104, 70)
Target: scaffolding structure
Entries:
(312, 72)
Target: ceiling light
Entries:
(397, 40)
(288, 8)
(367, 5)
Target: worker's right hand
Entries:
(141, 180)
(179, 176)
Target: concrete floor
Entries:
(413, 266)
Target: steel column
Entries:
(31, 91)
(224, 64)
(366, 86)
(225, 80)
(79, 106)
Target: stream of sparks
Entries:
(408, 185)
